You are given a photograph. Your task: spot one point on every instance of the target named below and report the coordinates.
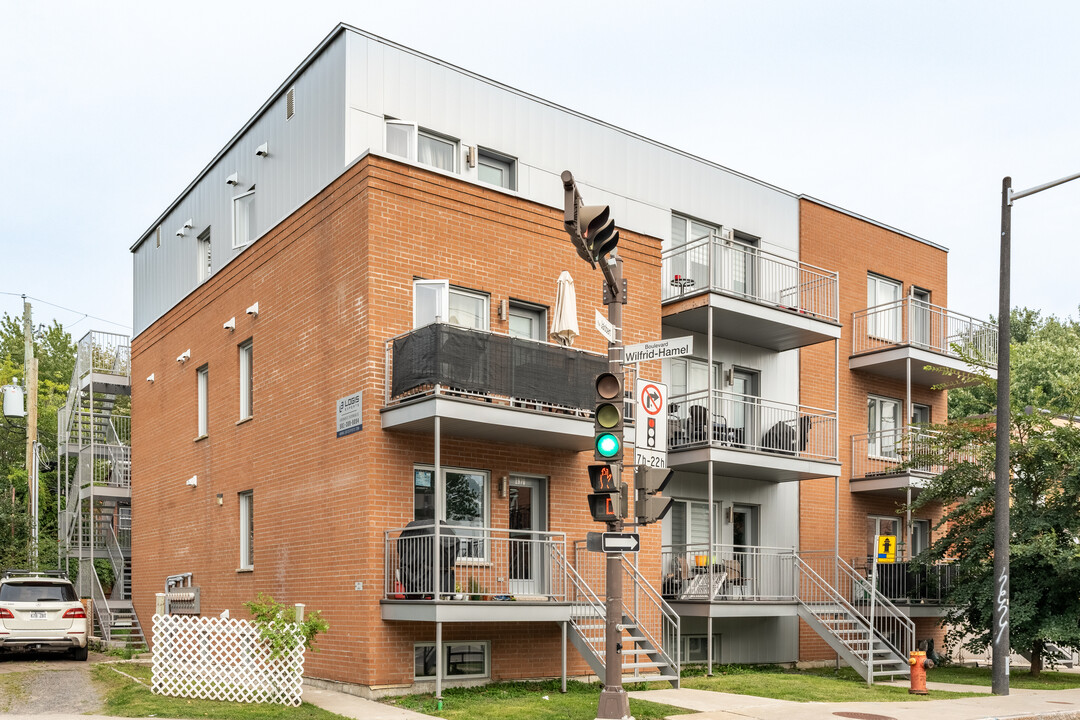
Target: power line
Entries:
(77, 312)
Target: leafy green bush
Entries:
(278, 627)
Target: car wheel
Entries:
(79, 653)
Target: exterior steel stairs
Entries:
(649, 635)
(859, 623)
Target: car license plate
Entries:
(39, 615)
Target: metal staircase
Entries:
(856, 620)
(650, 629)
(94, 433)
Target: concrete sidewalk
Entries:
(353, 706)
(1058, 704)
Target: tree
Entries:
(1044, 555)
(56, 361)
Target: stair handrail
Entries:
(584, 597)
(832, 595)
(101, 603)
(884, 609)
(116, 559)
(670, 630)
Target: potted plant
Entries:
(476, 590)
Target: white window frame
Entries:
(486, 645)
(248, 205)
(885, 324)
(700, 638)
(465, 541)
(686, 504)
(204, 257)
(877, 520)
(442, 310)
(917, 523)
(505, 163)
(413, 133)
(247, 529)
(538, 313)
(246, 352)
(202, 376)
(455, 150)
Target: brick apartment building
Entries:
(386, 234)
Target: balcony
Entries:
(485, 575)
(918, 588)
(886, 337)
(751, 437)
(491, 387)
(743, 581)
(886, 461)
(755, 297)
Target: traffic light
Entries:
(608, 417)
(606, 502)
(598, 231)
(648, 481)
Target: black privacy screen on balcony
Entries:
(493, 364)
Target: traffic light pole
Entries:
(614, 702)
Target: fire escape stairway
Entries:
(841, 614)
(649, 633)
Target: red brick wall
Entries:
(854, 248)
(334, 282)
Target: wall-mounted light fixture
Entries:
(180, 232)
(192, 481)
(253, 310)
(233, 179)
(504, 485)
(503, 310)
(230, 324)
(189, 224)
(184, 356)
(729, 377)
(470, 156)
(220, 499)
(263, 150)
(150, 378)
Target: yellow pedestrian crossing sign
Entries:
(886, 548)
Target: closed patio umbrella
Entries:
(564, 326)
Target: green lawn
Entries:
(127, 698)
(1020, 679)
(499, 701)
(816, 685)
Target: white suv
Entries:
(41, 611)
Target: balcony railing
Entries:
(744, 422)
(476, 563)
(919, 324)
(103, 352)
(441, 358)
(737, 572)
(912, 581)
(889, 452)
(723, 265)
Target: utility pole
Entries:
(31, 372)
(594, 236)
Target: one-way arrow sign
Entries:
(620, 542)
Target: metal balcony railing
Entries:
(912, 581)
(912, 322)
(745, 422)
(476, 563)
(721, 264)
(103, 352)
(911, 449)
(446, 359)
(729, 572)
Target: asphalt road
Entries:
(35, 684)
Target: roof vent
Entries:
(290, 103)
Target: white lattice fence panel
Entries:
(218, 659)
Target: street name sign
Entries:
(659, 350)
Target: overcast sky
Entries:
(908, 113)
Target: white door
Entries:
(528, 551)
(883, 426)
(920, 317)
(885, 317)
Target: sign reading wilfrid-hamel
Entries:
(350, 414)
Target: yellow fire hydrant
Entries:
(919, 665)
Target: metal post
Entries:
(563, 625)
(438, 662)
(709, 490)
(437, 552)
(1000, 663)
(614, 702)
(873, 596)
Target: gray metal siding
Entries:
(642, 181)
(306, 154)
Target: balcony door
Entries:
(883, 426)
(920, 317)
(529, 551)
(884, 319)
(689, 253)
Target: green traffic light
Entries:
(607, 445)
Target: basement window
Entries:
(460, 660)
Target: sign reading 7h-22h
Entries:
(650, 434)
